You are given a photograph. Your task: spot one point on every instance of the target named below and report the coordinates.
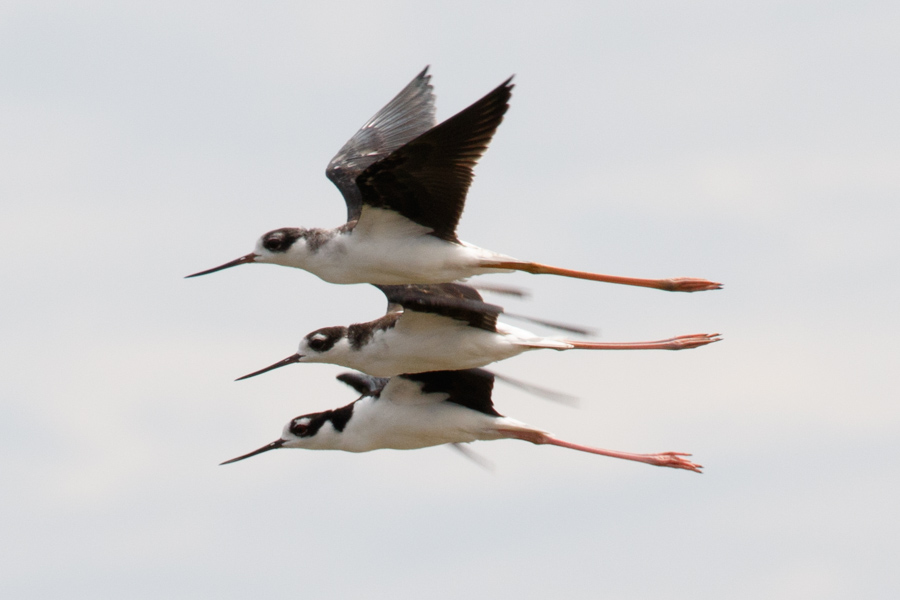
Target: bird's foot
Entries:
(673, 460)
(689, 284)
(685, 342)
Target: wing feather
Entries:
(453, 300)
(366, 385)
(470, 387)
(427, 179)
(407, 116)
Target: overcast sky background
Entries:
(756, 144)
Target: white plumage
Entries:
(428, 409)
(405, 180)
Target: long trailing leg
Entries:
(673, 460)
(675, 284)
(682, 342)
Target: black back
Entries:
(408, 115)
(427, 179)
(470, 388)
(454, 300)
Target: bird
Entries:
(404, 180)
(437, 327)
(420, 410)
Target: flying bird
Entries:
(427, 409)
(404, 180)
(437, 327)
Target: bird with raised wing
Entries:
(437, 327)
(404, 180)
(407, 412)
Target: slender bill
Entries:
(249, 258)
(290, 359)
(273, 446)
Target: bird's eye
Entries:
(299, 429)
(317, 343)
(273, 242)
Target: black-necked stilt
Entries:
(427, 409)
(441, 327)
(405, 181)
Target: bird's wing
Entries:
(407, 116)
(452, 300)
(366, 385)
(470, 388)
(427, 179)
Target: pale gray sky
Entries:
(756, 144)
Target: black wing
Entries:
(366, 385)
(426, 180)
(454, 300)
(470, 388)
(407, 116)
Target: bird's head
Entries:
(279, 246)
(313, 431)
(285, 246)
(323, 345)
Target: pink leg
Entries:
(682, 342)
(676, 284)
(661, 459)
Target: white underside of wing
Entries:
(382, 222)
(401, 390)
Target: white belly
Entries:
(433, 344)
(390, 250)
(385, 424)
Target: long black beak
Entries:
(244, 259)
(290, 359)
(273, 446)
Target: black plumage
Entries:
(427, 179)
(366, 385)
(407, 116)
(470, 388)
(454, 300)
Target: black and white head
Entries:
(286, 246)
(324, 344)
(291, 246)
(315, 431)
(279, 246)
(329, 344)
